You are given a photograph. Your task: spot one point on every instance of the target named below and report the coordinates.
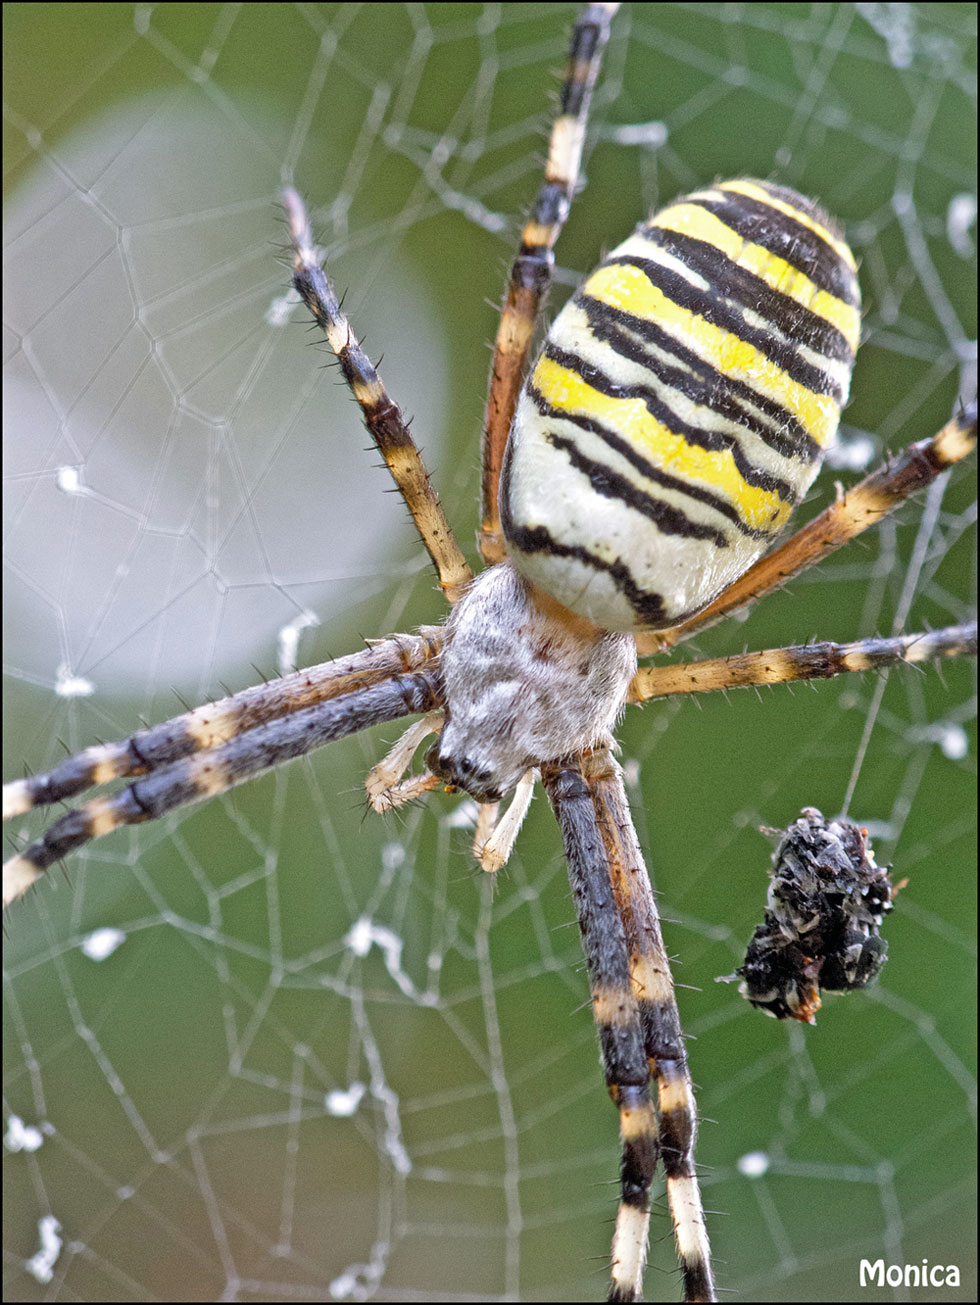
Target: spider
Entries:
(404, 675)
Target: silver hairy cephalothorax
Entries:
(525, 682)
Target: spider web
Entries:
(273, 1049)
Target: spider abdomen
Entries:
(681, 406)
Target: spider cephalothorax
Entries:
(525, 682)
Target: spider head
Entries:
(468, 774)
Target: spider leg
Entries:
(530, 276)
(408, 790)
(205, 774)
(653, 988)
(217, 722)
(485, 821)
(617, 1018)
(384, 785)
(493, 850)
(815, 661)
(382, 417)
(856, 510)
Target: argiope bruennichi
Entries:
(678, 411)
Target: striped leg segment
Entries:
(815, 661)
(530, 276)
(383, 418)
(617, 1019)
(863, 506)
(218, 722)
(653, 989)
(206, 774)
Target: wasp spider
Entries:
(633, 482)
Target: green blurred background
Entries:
(183, 480)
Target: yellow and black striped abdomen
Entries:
(681, 405)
